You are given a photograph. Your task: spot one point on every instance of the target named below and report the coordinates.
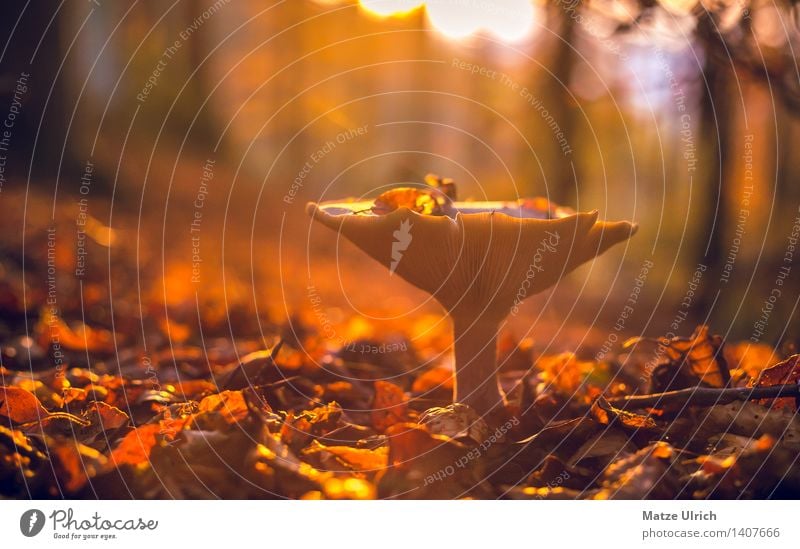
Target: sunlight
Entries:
(385, 8)
(455, 19)
(509, 20)
(512, 20)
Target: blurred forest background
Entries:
(681, 115)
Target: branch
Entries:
(704, 396)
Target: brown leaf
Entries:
(357, 459)
(230, 404)
(423, 465)
(108, 417)
(565, 371)
(21, 406)
(611, 443)
(389, 407)
(701, 354)
(423, 201)
(191, 389)
(605, 414)
(649, 473)
(456, 421)
(135, 448)
(75, 463)
(434, 380)
(51, 328)
(783, 373)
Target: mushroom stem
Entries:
(475, 342)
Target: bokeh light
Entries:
(385, 8)
(508, 20)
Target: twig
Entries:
(705, 396)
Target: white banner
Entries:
(399, 524)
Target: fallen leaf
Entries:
(611, 443)
(565, 372)
(389, 407)
(701, 354)
(456, 421)
(108, 417)
(783, 373)
(230, 404)
(423, 201)
(357, 459)
(84, 338)
(647, 474)
(605, 414)
(21, 406)
(75, 463)
(434, 380)
(134, 449)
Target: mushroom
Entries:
(480, 260)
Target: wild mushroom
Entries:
(478, 259)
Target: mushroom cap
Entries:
(486, 256)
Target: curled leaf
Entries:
(604, 413)
(357, 459)
(423, 201)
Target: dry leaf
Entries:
(783, 373)
(435, 379)
(389, 407)
(135, 448)
(52, 328)
(423, 201)
(230, 404)
(605, 414)
(21, 406)
(357, 459)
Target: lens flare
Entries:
(509, 20)
(455, 18)
(386, 8)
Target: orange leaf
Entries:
(110, 417)
(437, 378)
(21, 406)
(191, 388)
(358, 459)
(428, 202)
(52, 328)
(604, 413)
(389, 407)
(700, 352)
(135, 448)
(231, 404)
(75, 463)
(783, 373)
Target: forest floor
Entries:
(163, 392)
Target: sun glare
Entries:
(455, 19)
(386, 8)
(509, 20)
